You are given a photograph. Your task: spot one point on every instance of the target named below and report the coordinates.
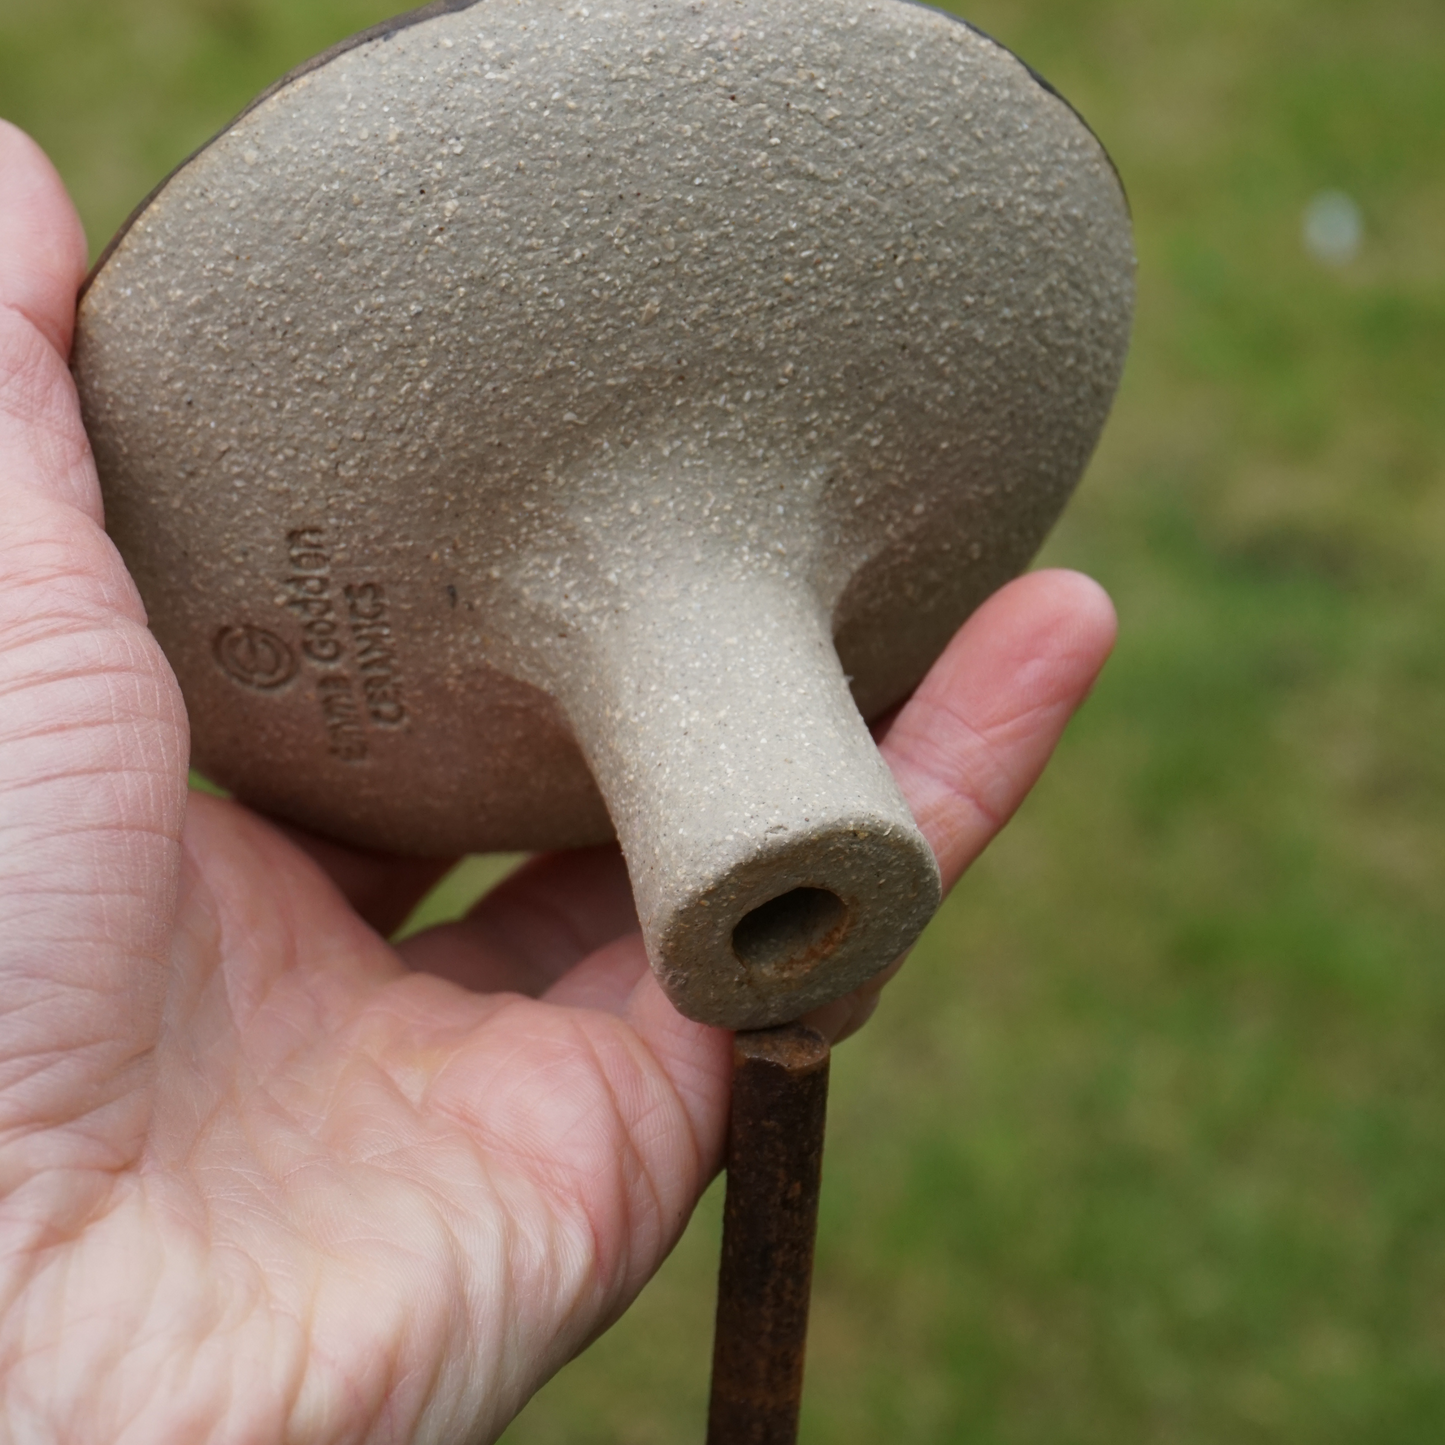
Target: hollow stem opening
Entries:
(792, 932)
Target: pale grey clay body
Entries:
(537, 419)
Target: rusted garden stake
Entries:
(774, 1168)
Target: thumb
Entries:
(93, 742)
(41, 240)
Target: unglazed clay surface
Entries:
(539, 419)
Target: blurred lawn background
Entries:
(1148, 1143)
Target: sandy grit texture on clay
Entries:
(539, 420)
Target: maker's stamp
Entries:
(346, 644)
(367, 611)
(335, 622)
(308, 590)
(345, 733)
(254, 657)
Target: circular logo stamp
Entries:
(254, 657)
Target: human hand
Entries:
(263, 1176)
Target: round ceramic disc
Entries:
(509, 319)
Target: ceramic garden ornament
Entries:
(534, 420)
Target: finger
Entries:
(843, 1017)
(382, 888)
(604, 980)
(970, 743)
(697, 1059)
(41, 240)
(92, 733)
(530, 930)
(42, 261)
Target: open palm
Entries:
(263, 1176)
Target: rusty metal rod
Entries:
(770, 1219)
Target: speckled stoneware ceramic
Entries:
(536, 419)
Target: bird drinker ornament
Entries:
(533, 421)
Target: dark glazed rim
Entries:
(437, 8)
(384, 31)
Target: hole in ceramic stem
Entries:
(790, 933)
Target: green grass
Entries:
(1146, 1145)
